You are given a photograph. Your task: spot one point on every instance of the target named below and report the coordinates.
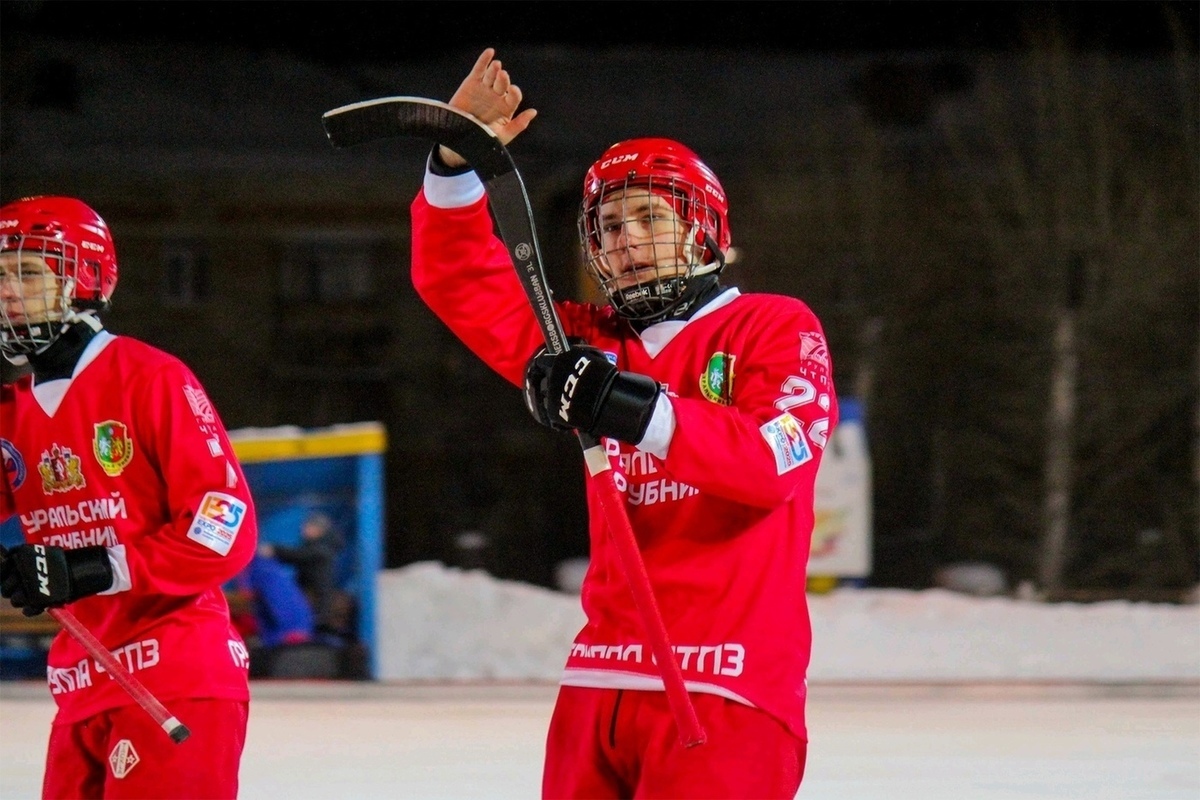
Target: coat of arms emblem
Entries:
(112, 446)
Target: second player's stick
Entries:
(124, 678)
(132, 686)
(391, 117)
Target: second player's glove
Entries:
(580, 389)
(34, 577)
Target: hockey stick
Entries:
(124, 678)
(391, 117)
(132, 686)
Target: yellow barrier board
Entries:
(275, 444)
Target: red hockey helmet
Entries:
(667, 168)
(71, 237)
(75, 244)
(666, 164)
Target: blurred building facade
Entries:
(939, 210)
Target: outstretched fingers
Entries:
(489, 95)
(497, 77)
(481, 64)
(516, 125)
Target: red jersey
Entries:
(130, 454)
(724, 522)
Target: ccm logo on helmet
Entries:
(708, 187)
(8, 223)
(609, 162)
(86, 245)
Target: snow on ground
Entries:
(439, 623)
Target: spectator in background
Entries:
(315, 560)
(269, 607)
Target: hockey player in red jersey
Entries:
(135, 512)
(714, 407)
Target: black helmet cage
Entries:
(655, 295)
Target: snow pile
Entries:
(936, 635)
(439, 623)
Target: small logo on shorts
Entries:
(123, 759)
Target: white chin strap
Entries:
(87, 317)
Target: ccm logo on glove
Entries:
(43, 569)
(579, 389)
(568, 393)
(34, 577)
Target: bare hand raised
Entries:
(489, 95)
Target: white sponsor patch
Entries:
(123, 759)
(217, 522)
(785, 436)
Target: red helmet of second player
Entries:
(56, 257)
(653, 217)
(71, 236)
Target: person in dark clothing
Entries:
(315, 560)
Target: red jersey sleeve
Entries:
(766, 444)
(211, 530)
(463, 272)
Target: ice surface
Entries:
(928, 695)
(1016, 742)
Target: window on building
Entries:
(328, 272)
(185, 273)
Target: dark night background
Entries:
(947, 184)
(376, 31)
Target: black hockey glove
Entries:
(580, 389)
(35, 577)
